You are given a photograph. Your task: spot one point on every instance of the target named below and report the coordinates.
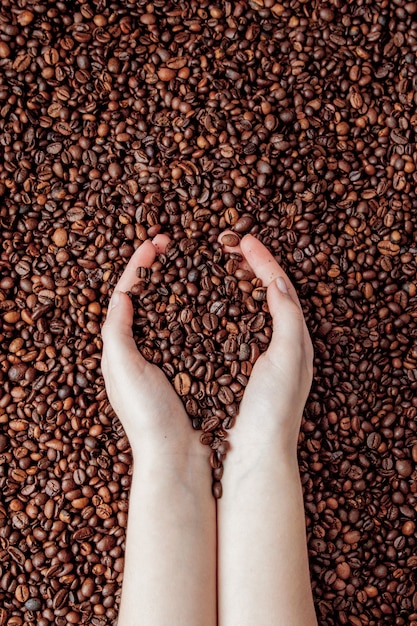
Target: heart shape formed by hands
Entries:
(201, 322)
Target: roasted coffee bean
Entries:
(217, 489)
(259, 294)
(182, 383)
(33, 604)
(230, 239)
(210, 321)
(373, 441)
(281, 134)
(225, 395)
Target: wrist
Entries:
(246, 454)
(159, 458)
(159, 437)
(280, 436)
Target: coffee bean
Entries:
(83, 533)
(79, 476)
(256, 323)
(404, 468)
(22, 593)
(259, 294)
(88, 587)
(33, 604)
(352, 536)
(225, 395)
(4, 50)
(373, 441)
(59, 599)
(296, 146)
(210, 321)
(17, 372)
(230, 239)
(243, 224)
(217, 489)
(115, 170)
(106, 543)
(182, 383)
(21, 62)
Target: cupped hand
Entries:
(280, 381)
(273, 402)
(142, 397)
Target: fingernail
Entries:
(281, 284)
(114, 301)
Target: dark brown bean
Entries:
(275, 130)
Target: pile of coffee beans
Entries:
(204, 319)
(292, 120)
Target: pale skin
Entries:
(188, 561)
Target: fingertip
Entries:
(160, 242)
(145, 250)
(247, 242)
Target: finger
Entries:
(119, 345)
(117, 331)
(264, 265)
(120, 314)
(144, 256)
(160, 242)
(287, 317)
(291, 322)
(289, 327)
(119, 319)
(120, 357)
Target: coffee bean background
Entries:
(295, 121)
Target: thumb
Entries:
(117, 330)
(287, 318)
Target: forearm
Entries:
(170, 567)
(262, 542)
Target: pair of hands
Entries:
(148, 407)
